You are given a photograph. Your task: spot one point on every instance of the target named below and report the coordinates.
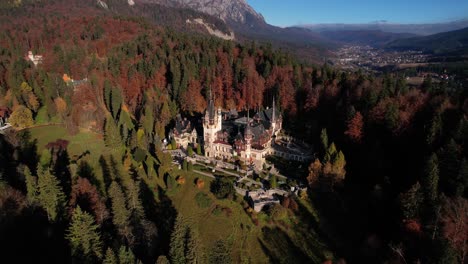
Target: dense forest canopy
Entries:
(390, 174)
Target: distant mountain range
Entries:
(375, 38)
(417, 29)
(453, 42)
(232, 17)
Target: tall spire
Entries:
(248, 131)
(211, 107)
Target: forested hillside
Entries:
(389, 182)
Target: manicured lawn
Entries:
(84, 144)
(79, 143)
(236, 229)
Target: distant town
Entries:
(354, 57)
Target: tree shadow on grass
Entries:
(164, 215)
(279, 247)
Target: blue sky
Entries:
(293, 12)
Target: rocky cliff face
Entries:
(231, 11)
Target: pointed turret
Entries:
(248, 131)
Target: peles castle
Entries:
(228, 137)
(250, 140)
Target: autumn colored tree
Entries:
(83, 190)
(455, 225)
(21, 117)
(61, 106)
(315, 171)
(355, 126)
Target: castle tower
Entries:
(212, 123)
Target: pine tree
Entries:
(431, 180)
(177, 245)
(410, 202)
(111, 134)
(273, 181)
(449, 166)
(110, 257)
(31, 185)
(50, 195)
(219, 253)
(435, 129)
(324, 139)
(84, 237)
(462, 187)
(193, 251)
(330, 153)
(45, 160)
(120, 212)
(199, 150)
(126, 256)
(162, 260)
(116, 102)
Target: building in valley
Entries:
(247, 139)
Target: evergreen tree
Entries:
(111, 134)
(31, 185)
(193, 250)
(449, 167)
(110, 257)
(189, 151)
(330, 153)
(120, 212)
(116, 101)
(185, 244)
(162, 260)
(199, 150)
(45, 160)
(431, 180)
(435, 129)
(177, 245)
(84, 237)
(324, 139)
(50, 195)
(219, 253)
(462, 179)
(126, 256)
(410, 202)
(273, 181)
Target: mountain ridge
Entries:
(448, 42)
(419, 29)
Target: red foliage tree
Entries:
(83, 189)
(355, 125)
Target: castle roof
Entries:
(182, 125)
